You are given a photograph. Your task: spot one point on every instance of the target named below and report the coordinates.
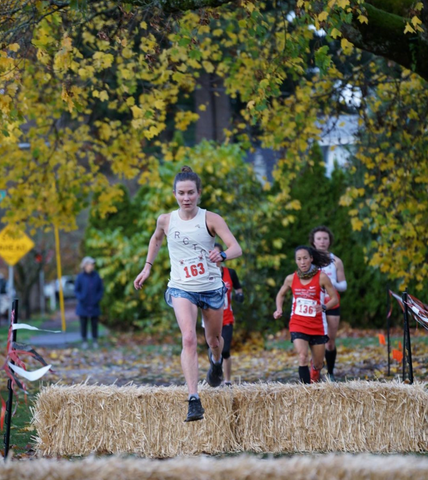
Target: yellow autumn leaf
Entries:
(103, 96)
(159, 104)
(335, 33)
(357, 224)
(409, 28)
(346, 45)
(416, 21)
(137, 112)
(208, 66)
(323, 16)
(343, 3)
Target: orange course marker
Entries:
(397, 355)
(382, 340)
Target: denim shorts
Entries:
(212, 299)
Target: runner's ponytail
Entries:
(187, 173)
(319, 259)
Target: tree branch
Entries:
(175, 6)
(384, 35)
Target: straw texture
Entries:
(148, 421)
(329, 417)
(326, 467)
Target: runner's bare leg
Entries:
(227, 367)
(302, 348)
(318, 352)
(333, 327)
(213, 320)
(187, 313)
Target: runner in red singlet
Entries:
(308, 325)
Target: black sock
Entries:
(304, 375)
(330, 357)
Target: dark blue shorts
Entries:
(212, 299)
(334, 312)
(311, 339)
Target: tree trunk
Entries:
(216, 117)
(223, 111)
(203, 97)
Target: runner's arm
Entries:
(281, 295)
(239, 295)
(326, 284)
(153, 250)
(218, 226)
(341, 284)
(235, 280)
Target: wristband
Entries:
(151, 264)
(324, 308)
(239, 297)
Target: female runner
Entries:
(308, 327)
(195, 278)
(321, 238)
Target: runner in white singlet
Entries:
(322, 238)
(195, 278)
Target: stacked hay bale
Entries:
(148, 421)
(326, 467)
(330, 417)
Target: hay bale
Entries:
(326, 467)
(330, 417)
(149, 421)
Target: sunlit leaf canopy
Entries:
(96, 90)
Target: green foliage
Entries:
(123, 217)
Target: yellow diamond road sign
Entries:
(14, 244)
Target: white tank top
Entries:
(330, 270)
(189, 244)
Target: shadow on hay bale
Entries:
(325, 467)
(148, 421)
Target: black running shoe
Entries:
(195, 412)
(215, 373)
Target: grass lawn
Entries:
(21, 430)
